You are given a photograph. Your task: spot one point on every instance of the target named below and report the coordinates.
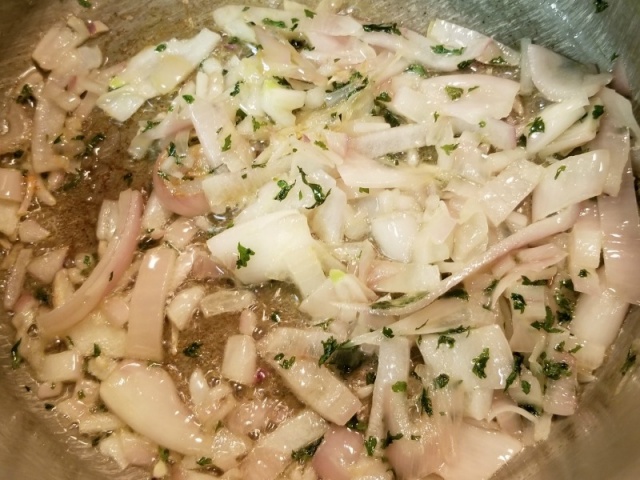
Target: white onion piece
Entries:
(481, 453)
(181, 309)
(45, 267)
(61, 367)
(146, 310)
(9, 217)
(226, 301)
(295, 341)
(17, 275)
(180, 233)
(105, 275)
(272, 452)
(597, 318)
(55, 45)
(557, 118)
(318, 388)
(107, 220)
(398, 139)
(146, 399)
(502, 194)
(570, 181)
(49, 390)
(110, 446)
(385, 276)
(31, 231)
(239, 359)
(93, 334)
(559, 78)
(458, 360)
(11, 184)
(48, 122)
(137, 449)
(116, 311)
(560, 396)
(620, 110)
(359, 171)
(575, 136)
(339, 450)
(621, 236)
(98, 423)
(151, 73)
(395, 233)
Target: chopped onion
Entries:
(239, 359)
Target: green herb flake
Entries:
(387, 332)
(436, 116)
(480, 364)
(532, 409)
(518, 359)
(161, 48)
(464, 64)
(309, 13)
(536, 283)
(84, 3)
(583, 273)
(285, 188)
(482, 124)
(93, 143)
(204, 461)
(598, 111)
(163, 453)
(522, 141)
(537, 126)
(601, 5)
(459, 292)
(49, 406)
(555, 370)
(518, 302)
(454, 92)
(240, 115)
(278, 357)
(81, 395)
(370, 378)
(318, 194)
(399, 302)
(370, 445)
(244, 255)
(425, 402)
(321, 144)
(547, 325)
(193, 350)
(575, 349)
(629, 362)
(236, 89)
(274, 23)
(559, 347)
(389, 439)
(305, 454)
(446, 340)
(560, 169)
(149, 125)
(383, 97)
(399, 387)
(391, 28)
(363, 190)
(497, 61)
(526, 387)
(417, 69)
(283, 82)
(189, 99)
(58, 139)
(16, 358)
(97, 351)
(442, 50)
(441, 381)
(329, 346)
(491, 287)
(287, 363)
(449, 148)
(227, 143)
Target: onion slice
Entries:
(185, 199)
(107, 273)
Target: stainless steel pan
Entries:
(599, 442)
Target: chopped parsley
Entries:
(304, 454)
(480, 364)
(97, 351)
(446, 340)
(240, 116)
(628, 362)
(425, 402)
(203, 461)
(150, 124)
(389, 439)
(464, 64)
(370, 445)
(583, 273)
(93, 143)
(454, 92)
(283, 82)
(236, 88)
(387, 332)
(442, 50)
(547, 325)
(256, 124)
(601, 5)
(449, 148)
(287, 363)
(285, 188)
(171, 150)
(532, 409)
(227, 143)
(491, 287)
(535, 283)
(441, 380)
(399, 387)
(482, 124)
(598, 111)
(383, 97)
(274, 23)
(537, 126)
(164, 454)
(522, 141)
(161, 48)
(329, 346)
(555, 370)
(518, 302)
(459, 292)
(309, 13)
(526, 387)
(193, 350)
(560, 169)
(398, 302)
(16, 358)
(189, 99)
(497, 60)
(417, 69)
(363, 190)
(382, 27)
(244, 255)
(318, 195)
(518, 358)
(321, 144)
